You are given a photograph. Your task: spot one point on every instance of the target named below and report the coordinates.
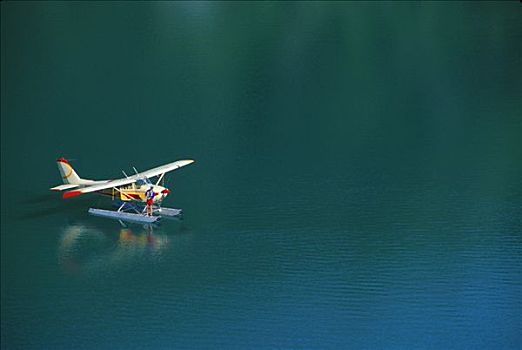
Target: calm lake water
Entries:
(357, 185)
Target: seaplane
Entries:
(128, 193)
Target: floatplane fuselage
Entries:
(128, 189)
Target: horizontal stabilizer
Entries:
(71, 194)
(64, 187)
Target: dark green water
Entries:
(357, 180)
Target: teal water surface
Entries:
(357, 180)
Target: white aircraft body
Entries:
(127, 189)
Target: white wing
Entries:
(131, 179)
(164, 168)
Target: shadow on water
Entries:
(89, 247)
(44, 205)
(40, 198)
(88, 244)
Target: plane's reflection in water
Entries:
(86, 248)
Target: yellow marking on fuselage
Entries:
(126, 194)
